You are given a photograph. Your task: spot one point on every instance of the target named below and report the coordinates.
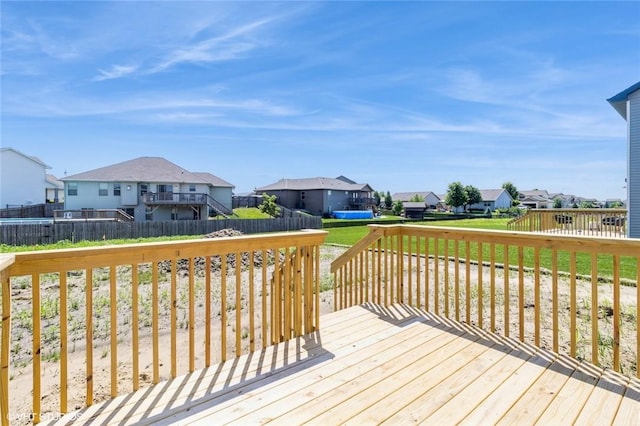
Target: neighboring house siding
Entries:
(88, 197)
(432, 200)
(503, 201)
(223, 195)
(22, 180)
(338, 200)
(633, 185)
(500, 201)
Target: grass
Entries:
(350, 235)
(250, 213)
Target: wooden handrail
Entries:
(183, 281)
(595, 222)
(5, 262)
(539, 287)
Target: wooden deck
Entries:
(399, 365)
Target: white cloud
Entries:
(116, 71)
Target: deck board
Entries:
(394, 365)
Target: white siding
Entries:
(503, 201)
(633, 184)
(22, 180)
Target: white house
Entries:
(54, 189)
(149, 188)
(23, 179)
(492, 199)
(627, 103)
(431, 200)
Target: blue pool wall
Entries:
(353, 214)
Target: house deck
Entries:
(370, 364)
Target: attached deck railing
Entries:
(596, 222)
(574, 295)
(176, 305)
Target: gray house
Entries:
(492, 199)
(321, 195)
(627, 103)
(149, 188)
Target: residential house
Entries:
(54, 189)
(321, 195)
(149, 188)
(567, 201)
(627, 103)
(23, 179)
(492, 199)
(535, 199)
(431, 200)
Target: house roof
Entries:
(53, 181)
(146, 169)
(535, 193)
(308, 184)
(406, 196)
(619, 101)
(491, 194)
(30, 157)
(413, 205)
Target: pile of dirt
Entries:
(216, 261)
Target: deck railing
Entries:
(596, 222)
(575, 295)
(115, 215)
(176, 305)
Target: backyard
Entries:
(337, 241)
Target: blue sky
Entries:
(405, 96)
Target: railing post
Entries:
(5, 346)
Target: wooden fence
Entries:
(36, 210)
(29, 234)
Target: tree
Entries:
(456, 196)
(586, 205)
(513, 191)
(397, 208)
(473, 195)
(416, 198)
(269, 205)
(557, 203)
(377, 197)
(388, 202)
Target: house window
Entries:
(192, 188)
(72, 189)
(116, 189)
(144, 188)
(103, 189)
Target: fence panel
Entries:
(32, 234)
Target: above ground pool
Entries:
(353, 214)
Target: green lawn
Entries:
(250, 213)
(350, 235)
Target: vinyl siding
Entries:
(633, 185)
